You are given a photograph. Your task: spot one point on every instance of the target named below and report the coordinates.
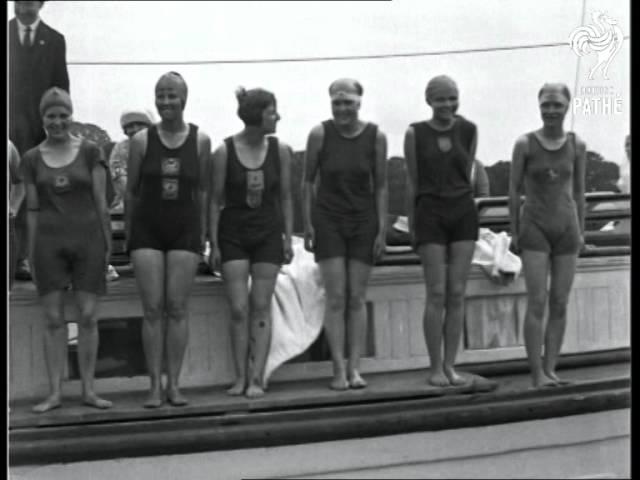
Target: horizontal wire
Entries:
(328, 58)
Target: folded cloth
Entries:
(492, 254)
(402, 224)
(297, 309)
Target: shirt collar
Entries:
(34, 26)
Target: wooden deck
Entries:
(598, 319)
(301, 412)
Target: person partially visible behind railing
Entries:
(16, 196)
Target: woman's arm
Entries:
(217, 181)
(204, 158)
(33, 209)
(99, 184)
(412, 177)
(137, 151)
(314, 143)
(579, 173)
(286, 198)
(381, 193)
(481, 181)
(17, 189)
(516, 178)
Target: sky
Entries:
(498, 89)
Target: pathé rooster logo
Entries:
(604, 37)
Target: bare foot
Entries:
(51, 402)
(356, 381)
(154, 400)
(543, 381)
(438, 379)
(555, 378)
(454, 379)
(237, 388)
(339, 382)
(92, 400)
(254, 391)
(176, 398)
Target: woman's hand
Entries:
(412, 233)
(107, 257)
(288, 251)
(515, 245)
(379, 245)
(309, 239)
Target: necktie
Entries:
(27, 37)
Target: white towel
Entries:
(297, 309)
(492, 254)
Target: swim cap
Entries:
(558, 92)
(55, 97)
(440, 84)
(346, 89)
(131, 116)
(176, 80)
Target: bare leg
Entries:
(263, 282)
(357, 319)
(536, 268)
(236, 278)
(433, 259)
(180, 274)
(334, 278)
(149, 267)
(459, 264)
(88, 348)
(55, 342)
(563, 269)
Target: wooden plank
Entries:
(398, 316)
(571, 343)
(417, 344)
(381, 329)
(492, 322)
(620, 315)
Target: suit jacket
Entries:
(31, 73)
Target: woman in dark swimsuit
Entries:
(251, 236)
(345, 223)
(443, 220)
(549, 231)
(165, 213)
(69, 240)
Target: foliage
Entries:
(91, 132)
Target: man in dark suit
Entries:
(37, 62)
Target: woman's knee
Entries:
(356, 302)
(54, 320)
(176, 311)
(260, 307)
(336, 302)
(558, 305)
(436, 297)
(153, 313)
(455, 296)
(239, 311)
(536, 303)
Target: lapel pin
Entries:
(41, 42)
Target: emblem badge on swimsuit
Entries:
(61, 184)
(170, 189)
(444, 144)
(170, 166)
(255, 188)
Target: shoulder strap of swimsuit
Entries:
(274, 146)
